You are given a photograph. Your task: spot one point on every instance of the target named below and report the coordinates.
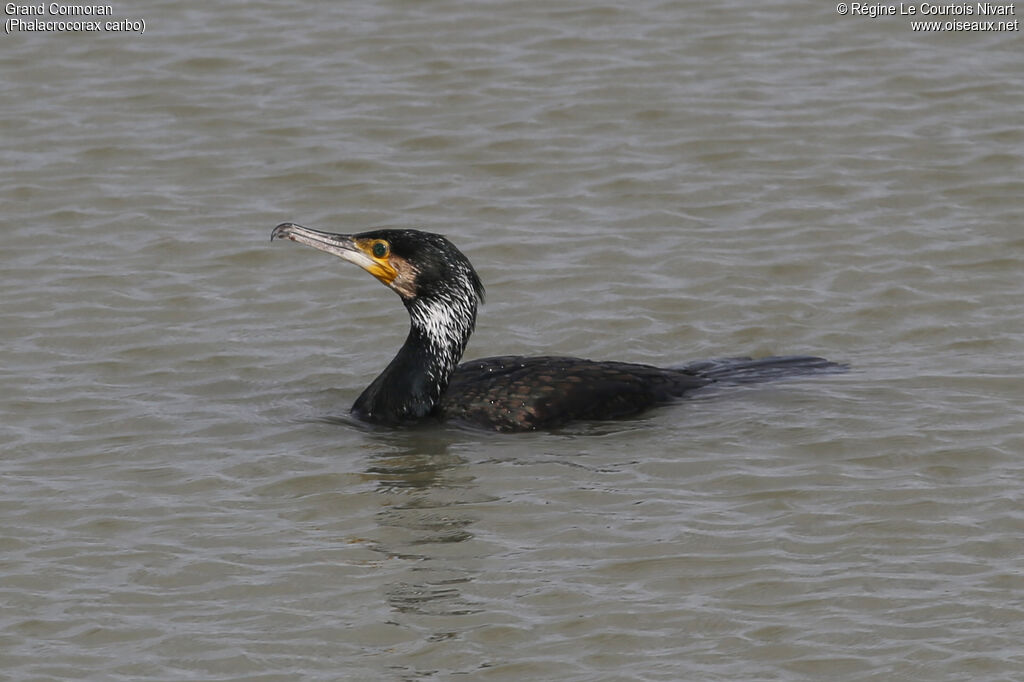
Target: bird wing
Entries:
(513, 393)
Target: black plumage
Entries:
(441, 292)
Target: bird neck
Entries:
(411, 386)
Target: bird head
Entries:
(417, 265)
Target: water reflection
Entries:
(427, 493)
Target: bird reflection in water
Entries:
(425, 521)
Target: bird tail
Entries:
(750, 371)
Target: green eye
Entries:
(380, 249)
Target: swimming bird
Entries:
(425, 382)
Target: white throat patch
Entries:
(446, 324)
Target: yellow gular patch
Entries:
(379, 262)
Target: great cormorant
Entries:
(441, 291)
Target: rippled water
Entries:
(183, 496)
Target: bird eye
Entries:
(380, 249)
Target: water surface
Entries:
(183, 496)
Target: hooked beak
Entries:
(344, 246)
(341, 245)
